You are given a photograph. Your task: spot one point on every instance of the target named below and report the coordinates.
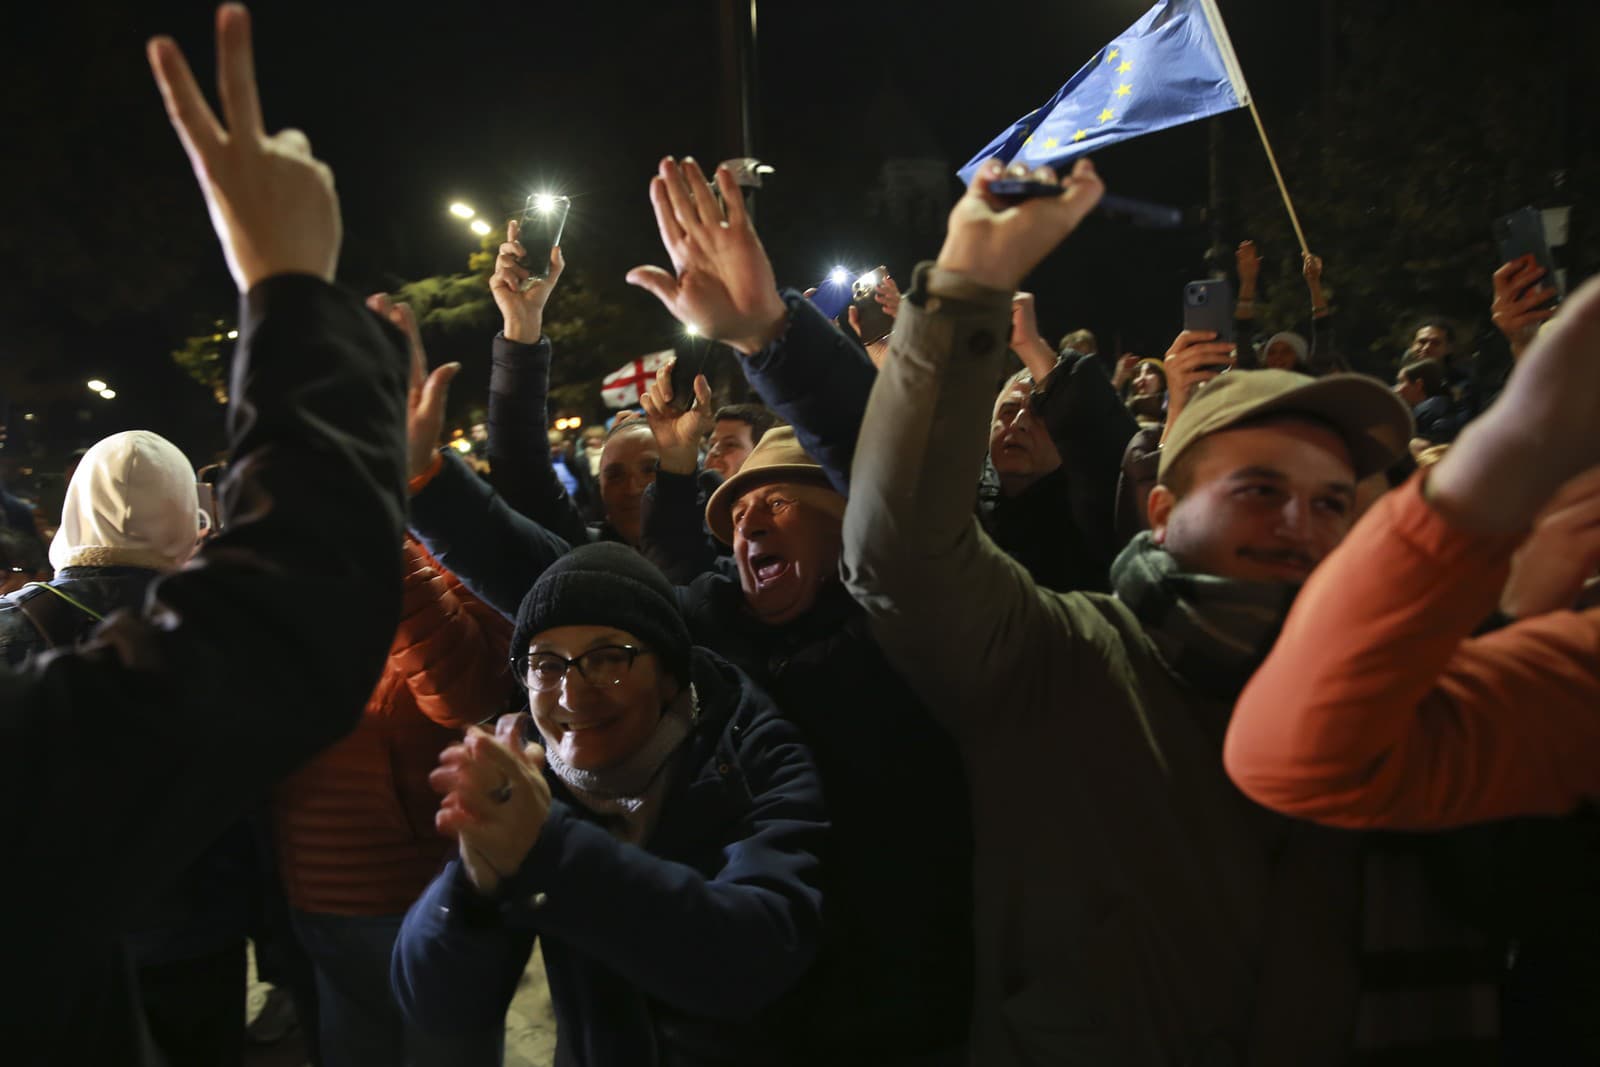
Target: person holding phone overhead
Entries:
(1158, 916)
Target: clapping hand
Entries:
(496, 800)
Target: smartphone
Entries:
(1208, 305)
(1017, 190)
(875, 322)
(686, 365)
(1521, 233)
(539, 231)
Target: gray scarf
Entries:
(1212, 632)
(627, 796)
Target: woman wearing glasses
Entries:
(662, 839)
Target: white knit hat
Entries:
(131, 503)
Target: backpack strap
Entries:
(59, 618)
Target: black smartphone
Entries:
(1521, 233)
(686, 365)
(543, 218)
(1208, 305)
(875, 322)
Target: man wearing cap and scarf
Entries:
(1132, 905)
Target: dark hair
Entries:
(1436, 322)
(758, 417)
(1430, 372)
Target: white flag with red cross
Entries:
(623, 387)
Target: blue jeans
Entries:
(361, 1024)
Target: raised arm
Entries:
(804, 367)
(520, 466)
(913, 550)
(130, 755)
(1374, 709)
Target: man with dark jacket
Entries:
(519, 390)
(1158, 917)
(124, 758)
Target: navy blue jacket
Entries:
(893, 982)
(676, 952)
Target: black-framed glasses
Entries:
(601, 667)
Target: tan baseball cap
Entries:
(1375, 424)
(777, 458)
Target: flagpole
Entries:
(1219, 32)
(1278, 174)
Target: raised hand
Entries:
(427, 392)
(1518, 307)
(520, 297)
(678, 434)
(995, 243)
(1026, 342)
(272, 203)
(887, 294)
(722, 282)
(496, 801)
(1195, 358)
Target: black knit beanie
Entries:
(605, 584)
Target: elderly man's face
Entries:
(1019, 444)
(785, 548)
(627, 469)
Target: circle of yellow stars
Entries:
(1123, 91)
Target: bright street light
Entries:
(233, 335)
(461, 211)
(108, 394)
(96, 385)
(480, 227)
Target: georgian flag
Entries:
(623, 387)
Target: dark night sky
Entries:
(110, 262)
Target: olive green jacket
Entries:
(1132, 906)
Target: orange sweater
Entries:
(1375, 708)
(354, 827)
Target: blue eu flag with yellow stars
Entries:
(1175, 65)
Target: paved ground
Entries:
(530, 1026)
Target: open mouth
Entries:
(768, 568)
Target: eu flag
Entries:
(1174, 65)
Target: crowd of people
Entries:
(969, 699)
